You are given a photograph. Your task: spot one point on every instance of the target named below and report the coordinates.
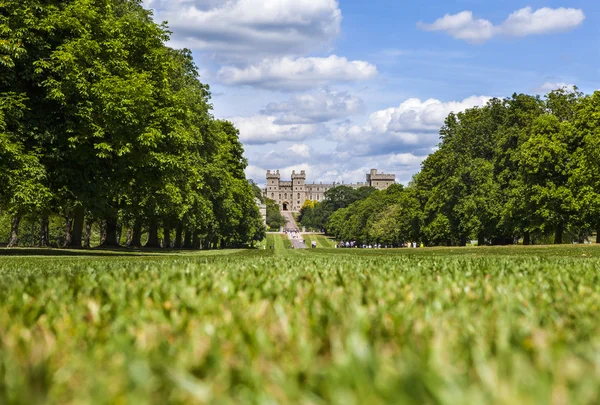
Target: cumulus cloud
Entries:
(299, 73)
(550, 86)
(405, 159)
(414, 115)
(412, 127)
(301, 149)
(239, 30)
(462, 26)
(542, 21)
(520, 23)
(262, 129)
(322, 106)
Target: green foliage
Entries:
(509, 170)
(453, 326)
(521, 168)
(99, 119)
(316, 215)
(388, 217)
(275, 220)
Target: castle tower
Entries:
(380, 181)
(272, 190)
(298, 189)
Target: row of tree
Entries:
(523, 168)
(100, 121)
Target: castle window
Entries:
(298, 195)
(272, 195)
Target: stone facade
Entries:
(291, 195)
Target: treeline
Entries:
(522, 169)
(274, 219)
(315, 215)
(102, 123)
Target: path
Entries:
(291, 224)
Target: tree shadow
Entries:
(99, 251)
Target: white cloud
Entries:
(239, 30)
(405, 159)
(412, 126)
(520, 23)
(256, 173)
(462, 26)
(297, 74)
(302, 150)
(550, 86)
(414, 115)
(322, 106)
(262, 129)
(542, 21)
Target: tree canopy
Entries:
(524, 168)
(100, 121)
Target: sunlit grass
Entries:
(343, 326)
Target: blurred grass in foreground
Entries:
(423, 326)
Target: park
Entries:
(298, 202)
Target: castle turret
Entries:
(380, 181)
(298, 189)
(272, 189)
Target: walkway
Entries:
(291, 224)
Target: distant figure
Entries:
(314, 244)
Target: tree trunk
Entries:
(167, 237)
(153, 241)
(44, 231)
(102, 232)
(68, 231)
(88, 234)
(119, 233)
(558, 235)
(187, 243)
(178, 236)
(136, 235)
(77, 227)
(598, 236)
(463, 241)
(527, 239)
(128, 235)
(13, 241)
(111, 233)
(480, 240)
(196, 241)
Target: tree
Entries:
(274, 218)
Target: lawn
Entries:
(345, 326)
(322, 240)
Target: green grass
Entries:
(515, 325)
(322, 241)
(285, 242)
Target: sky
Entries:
(339, 87)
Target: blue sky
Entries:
(337, 87)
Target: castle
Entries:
(291, 195)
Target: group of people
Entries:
(294, 233)
(354, 244)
